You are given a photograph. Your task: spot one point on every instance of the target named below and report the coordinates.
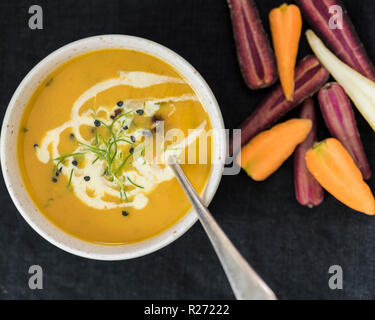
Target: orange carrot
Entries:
(267, 151)
(286, 26)
(331, 164)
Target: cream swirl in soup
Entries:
(89, 148)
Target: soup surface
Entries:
(93, 143)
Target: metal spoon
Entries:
(245, 282)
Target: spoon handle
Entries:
(245, 282)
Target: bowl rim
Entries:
(162, 239)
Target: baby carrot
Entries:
(267, 151)
(331, 164)
(308, 191)
(286, 26)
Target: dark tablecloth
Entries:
(290, 246)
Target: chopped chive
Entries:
(143, 152)
(92, 148)
(126, 197)
(48, 202)
(96, 136)
(124, 140)
(63, 157)
(120, 134)
(102, 139)
(70, 178)
(110, 158)
(118, 118)
(121, 165)
(134, 184)
(49, 82)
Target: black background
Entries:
(290, 246)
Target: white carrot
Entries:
(359, 88)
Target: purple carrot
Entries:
(344, 42)
(255, 55)
(310, 76)
(339, 117)
(308, 191)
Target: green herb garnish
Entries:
(121, 165)
(96, 159)
(62, 159)
(49, 82)
(70, 178)
(107, 149)
(134, 184)
(48, 202)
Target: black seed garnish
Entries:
(72, 137)
(97, 123)
(54, 180)
(57, 173)
(140, 112)
(131, 150)
(87, 178)
(120, 103)
(124, 213)
(60, 169)
(74, 163)
(35, 146)
(132, 138)
(125, 127)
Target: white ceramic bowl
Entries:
(10, 131)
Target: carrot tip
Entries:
(283, 7)
(318, 144)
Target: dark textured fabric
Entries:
(290, 246)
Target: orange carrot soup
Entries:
(89, 148)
